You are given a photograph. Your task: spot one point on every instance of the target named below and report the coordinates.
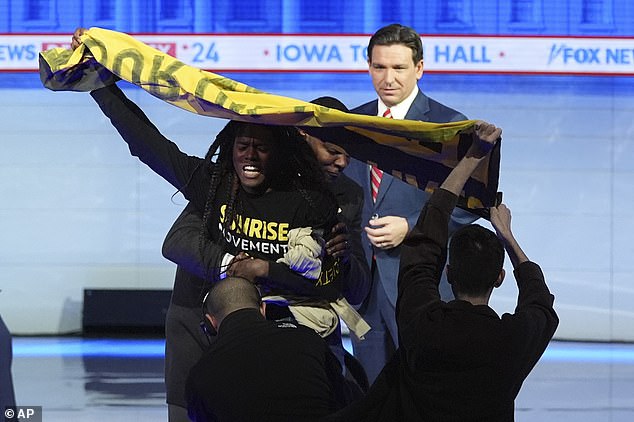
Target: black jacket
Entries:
(260, 370)
(456, 361)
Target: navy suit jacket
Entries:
(397, 198)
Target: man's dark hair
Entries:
(331, 102)
(398, 34)
(231, 294)
(476, 257)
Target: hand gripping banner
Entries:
(418, 153)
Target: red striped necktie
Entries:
(376, 174)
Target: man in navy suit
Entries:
(395, 59)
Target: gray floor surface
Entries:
(77, 379)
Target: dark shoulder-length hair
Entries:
(297, 170)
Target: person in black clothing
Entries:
(260, 370)
(460, 361)
(279, 209)
(185, 343)
(256, 184)
(248, 200)
(345, 240)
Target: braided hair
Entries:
(298, 171)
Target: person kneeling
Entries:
(257, 369)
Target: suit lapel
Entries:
(367, 185)
(419, 109)
(373, 108)
(386, 181)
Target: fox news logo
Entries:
(568, 55)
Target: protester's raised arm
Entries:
(501, 220)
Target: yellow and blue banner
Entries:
(418, 153)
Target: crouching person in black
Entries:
(257, 369)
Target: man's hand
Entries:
(338, 246)
(387, 232)
(485, 137)
(76, 40)
(246, 266)
(501, 221)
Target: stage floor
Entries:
(90, 379)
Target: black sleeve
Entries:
(356, 274)
(151, 147)
(423, 257)
(534, 316)
(182, 247)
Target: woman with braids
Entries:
(265, 182)
(255, 187)
(196, 262)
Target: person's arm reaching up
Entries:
(425, 249)
(501, 220)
